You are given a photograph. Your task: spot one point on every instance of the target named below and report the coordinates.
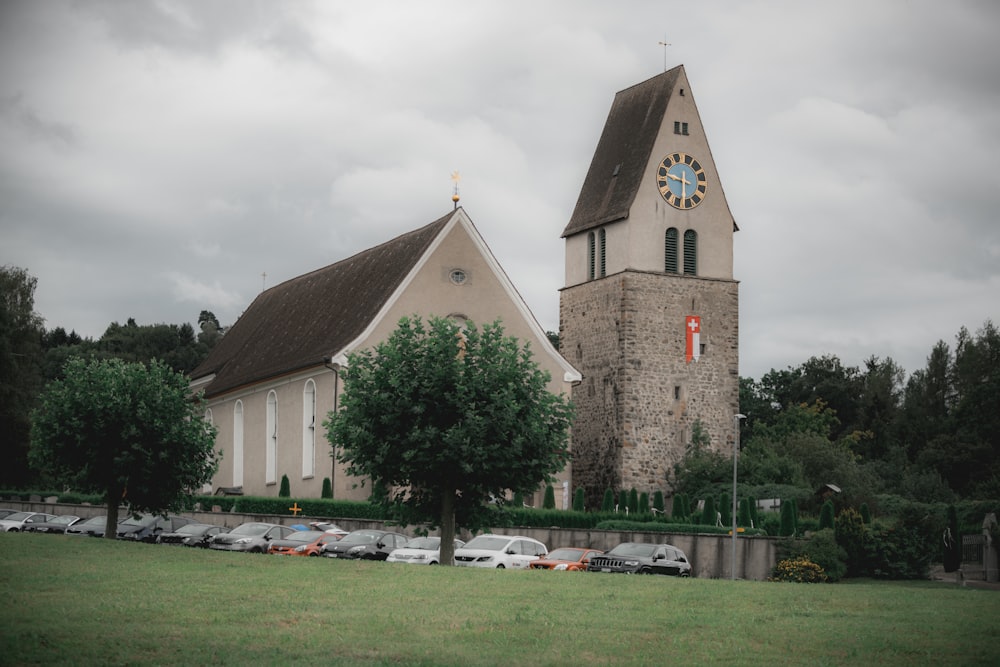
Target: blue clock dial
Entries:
(681, 181)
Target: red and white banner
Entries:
(692, 324)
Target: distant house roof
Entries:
(622, 153)
(299, 323)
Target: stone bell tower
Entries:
(649, 312)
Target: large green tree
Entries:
(20, 371)
(447, 419)
(128, 431)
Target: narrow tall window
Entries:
(271, 446)
(670, 251)
(690, 252)
(590, 256)
(238, 444)
(209, 421)
(309, 430)
(602, 241)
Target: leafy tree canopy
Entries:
(447, 419)
(20, 370)
(124, 430)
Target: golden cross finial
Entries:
(456, 178)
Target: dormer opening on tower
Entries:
(602, 242)
(591, 255)
(670, 251)
(690, 252)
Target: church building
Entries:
(649, 311)
(274, 376)
(648, 319)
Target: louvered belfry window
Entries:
(590, 256)
(690, 253)
(670, 251)
(603, 250)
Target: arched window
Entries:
(209, 421)
(602, 242)
(238, 444)
(690, 252)
(591, 256)
(309, 429)
(271, 446)
(670, 251)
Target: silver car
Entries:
(252, 537)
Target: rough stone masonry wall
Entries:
(639, 399)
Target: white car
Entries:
(18, 520)
(420, 551)
(500, 551)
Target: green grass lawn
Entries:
(86, 601)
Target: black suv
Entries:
(639, 558)
(366, 544)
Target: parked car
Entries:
(4, 513)
(93, 527)
(302, 543)
(12, 523)
(147, 527)
(328, 527)
(500, 551)
(191, 535)
(420, 551)
(640, 558)
(571, 559)
(366, 544)
(57, 524)
(251, 536)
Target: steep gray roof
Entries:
(296, 324)
(622, 153)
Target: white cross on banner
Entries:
(693, 328)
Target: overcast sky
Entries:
(156, 158)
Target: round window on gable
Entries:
(458, 276)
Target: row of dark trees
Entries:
(870, 430)
(32, 356)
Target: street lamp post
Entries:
(736, 449)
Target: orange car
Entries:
(302, 543)
(567, 558)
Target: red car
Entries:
(302, 543)
(567, 558)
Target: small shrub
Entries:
(821, 548)
(677, 511)
(608, 504)
(658, 502)
(708, 513)
(866, 514)
(826, 515)
(745, 516)
(787, 526)
(852, 535)
(327, 491)
(952, 540)
(285, 490)
(622, 500)
(799, 570)
(644, 503)
(550, 498)
(578, 499)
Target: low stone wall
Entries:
(710, 555)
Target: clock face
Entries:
(681, 180)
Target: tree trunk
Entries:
(447, 555)
(111, 525)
